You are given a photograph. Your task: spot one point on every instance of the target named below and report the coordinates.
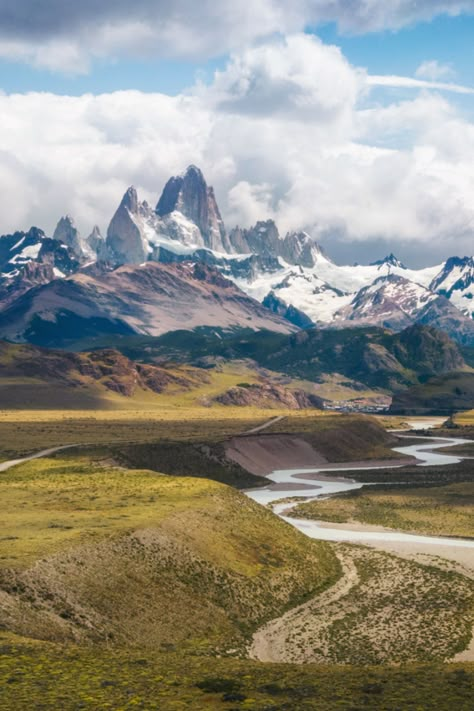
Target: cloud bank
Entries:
(65, 35)
(286, 131)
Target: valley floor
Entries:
(122, 588)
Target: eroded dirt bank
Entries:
(263, 454)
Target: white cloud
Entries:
(296, 77)
(44, 33)
(433, 70)
(397, 82)
(313, 154)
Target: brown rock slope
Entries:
(267, 396)
(41, 377)
(149, 299)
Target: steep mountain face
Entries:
(96, 245)
(443, 315)
(150, 299)
(189, 195)
(392, 301)
(125, 236)
(67, 233)
(456, 282)
(290, 313)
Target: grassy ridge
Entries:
(89, 553)
(434, 511)
(41, 676)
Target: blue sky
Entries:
(354, 121)
(449, 40)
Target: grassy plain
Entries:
(24, 431)
(340, 436)
(433, 511)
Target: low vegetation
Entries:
(433, 511)
(383, 610)
(46, 676)
(135, 558)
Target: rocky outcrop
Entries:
(189, 195)
(268, 395)
(299, 248)
(290, 313)
(126, 241)
(106, 368)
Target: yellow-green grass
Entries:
(25, 431)
(45, 676)
(465, 419)
(139, 558)
(436, 511)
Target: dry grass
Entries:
(26, 431)
(89, 553)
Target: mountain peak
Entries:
(130, 200)
(390, 260)
(67, 232)
(193, 170)
(190, 195)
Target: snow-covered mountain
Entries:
(289, 274)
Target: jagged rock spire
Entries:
(67, 232)
(190, 195)
(126, 242)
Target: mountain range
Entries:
(177, 266)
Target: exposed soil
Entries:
(263, 454)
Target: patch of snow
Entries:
(18, 244)
(26, 254)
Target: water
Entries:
(311, 489)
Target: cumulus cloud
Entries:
(297, 76)
(314, 154)
(47, 33)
